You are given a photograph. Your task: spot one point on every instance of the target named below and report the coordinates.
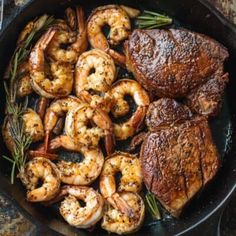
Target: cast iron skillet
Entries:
(206, 208)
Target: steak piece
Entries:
(173, 63)
(207, 98)
(165, 112)
(178, 159)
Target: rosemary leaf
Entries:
(15, 109)
(152, 206)
(8, 159)
(13, 172)
(154, 13)
(152, 20)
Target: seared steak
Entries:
(207, 98)
(172, 63)
(178, 159)
(166, 112)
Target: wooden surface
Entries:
(227, 7)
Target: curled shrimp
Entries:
(87, 125)
(56, 110)
(131, 179)
(71, 210)
(120, 27)
(76, 41)
(89, 82)
(40, 169)
(115, 221)
(59, 82)
(121, 106)
(33, 127)
(78, 173)
(24, 87)
(84, 172)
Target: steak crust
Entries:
(165, 112)
(179, 159)
(172, 63)
(207, 98)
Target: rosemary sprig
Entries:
(152, 20)
(14, 108)
(152, 206)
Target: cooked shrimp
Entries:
(61, 81)
(115, 221)
(84, 172)
(78, 122)
(40, 169)
(77, 41)
(121, 107)
(77, 173)
(76, 215)
(56, 110)
(88, 83)
(130, 181)
(120, 28)
(32, 126)
(32, 25)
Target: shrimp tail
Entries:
(81, 43)
(35, 61)
(70, 18)
(109, 134)
(53, 145)
(137, 140)
(109, 142)
(137, 120)
(47, 134)
(119, 203)
(80, 19)
(46, 38)
(86, 97)
(42, 106)
(61, 141)
(119, 58)
(44, 149)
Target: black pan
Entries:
(204, 211)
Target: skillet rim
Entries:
(226, 22)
